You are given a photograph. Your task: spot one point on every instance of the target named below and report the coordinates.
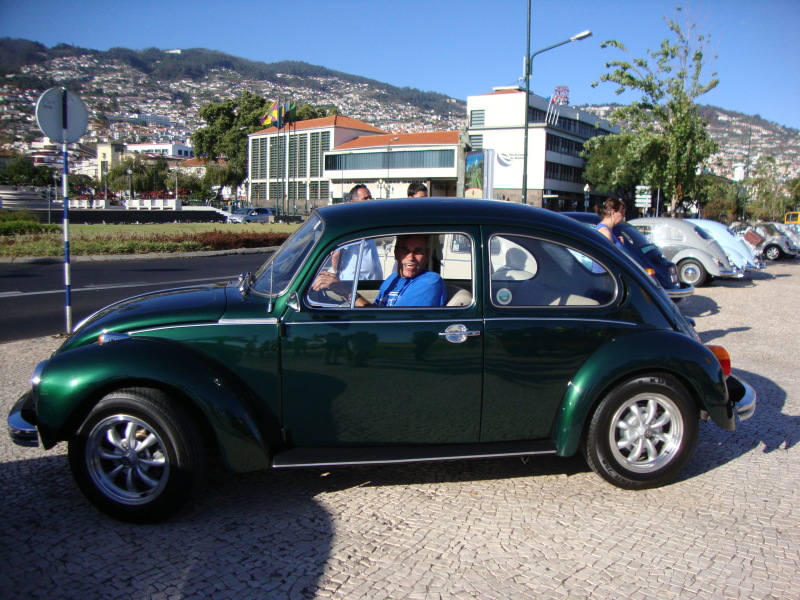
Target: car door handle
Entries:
(458, 333)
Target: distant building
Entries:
(556, 134)
(286, 167)
(170, 150)
(387, 163)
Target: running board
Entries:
(375, 455)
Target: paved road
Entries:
(32, 291)
(729, 528)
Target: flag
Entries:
(269, 117)
(289, 112)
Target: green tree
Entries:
(618, 163)
(671, 137)
(718, 197)
(768, 197)
(20, 170)
(793, 189)
(223, 140)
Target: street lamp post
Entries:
(389, 164)
(528, 60)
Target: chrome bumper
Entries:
(735, 272)
(742, 396)
(684, 291)
(20, 428)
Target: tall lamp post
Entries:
(389, 164)
(528, 60)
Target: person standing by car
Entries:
(343, 263)
(417, 190)
(611, 213)
(359, 193)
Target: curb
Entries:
(129, 257)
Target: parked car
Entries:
(645, 254)
(698, 256)
(571, 348)
(789, 232)
(739, 253)
(258, 214)
(773, 244)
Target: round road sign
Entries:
(61, 115)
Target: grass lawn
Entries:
(145, 239)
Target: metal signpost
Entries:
(644, 197)
(62, 116)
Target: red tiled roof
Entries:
(505, 91)
(337, 120)
(426, 138)
(197, 162)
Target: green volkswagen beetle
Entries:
(381, 332)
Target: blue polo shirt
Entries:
(427, 289)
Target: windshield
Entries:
(277, 273)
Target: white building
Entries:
(169, 150)
(556, 133)
(387, 163)
(286, 167)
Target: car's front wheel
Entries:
(692, 272)
(137, 457)
(643, 433)
(772, 252)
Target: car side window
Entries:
(360, 268)
(532, 272)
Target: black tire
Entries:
(692, 272)
(643, 433)
(773, 252)
(153, 480)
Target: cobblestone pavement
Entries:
(728, 528)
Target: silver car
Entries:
(738, 251)
(774, 244)
(699, 257)
(257, 214)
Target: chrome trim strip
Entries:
(383, 322)
(269, 321)
(410, 460)
(610, 321)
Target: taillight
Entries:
(651, 272)
(723, 357)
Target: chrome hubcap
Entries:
(126, 459)
(646, 432)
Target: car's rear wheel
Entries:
(643, 433)
(692, 272)
(137, 457)
(772, 252)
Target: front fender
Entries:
(72, 383)
(649, 352)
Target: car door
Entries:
(382, 376)
(547, 311)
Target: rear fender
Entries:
(73, 382)
(653, 351)
(705, 258)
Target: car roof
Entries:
(399, 212)
(680, 223)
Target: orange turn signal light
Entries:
(723, 357)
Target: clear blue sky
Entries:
(459, 48)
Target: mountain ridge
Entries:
(177, 83)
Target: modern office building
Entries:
(286, 166)
(556, 134)
(387, 163)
